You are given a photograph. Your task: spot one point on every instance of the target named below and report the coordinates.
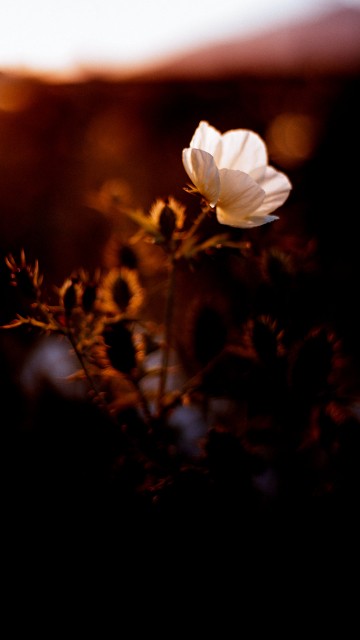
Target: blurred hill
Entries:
(327, 43)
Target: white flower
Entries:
(231, 172)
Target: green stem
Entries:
(142, 399)
(93, 387)
(190, 233)
(167, 337)
(169, 312)
(202, 215)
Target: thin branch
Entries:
(167, 337)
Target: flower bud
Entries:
(69, 298)
(128, 257)
(167, 222)
(168, 216)
(120, 292)
(120, 347)
(24, 276)
(24, 280)
(89, 297)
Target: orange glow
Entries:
(14, 95)
(291, 138)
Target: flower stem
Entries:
(197, 222)
(167, 336)
(92, 384)
(142, 399)
(169, 310)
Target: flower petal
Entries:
(242, 150)
(240, 196)
(201, 169)
(257, 221)
(276, 185)
(206, 138)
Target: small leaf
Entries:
(12, 324)
(191, 246)
(145, 222)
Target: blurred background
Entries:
(96, 92)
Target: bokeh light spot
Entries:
(291, 138)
